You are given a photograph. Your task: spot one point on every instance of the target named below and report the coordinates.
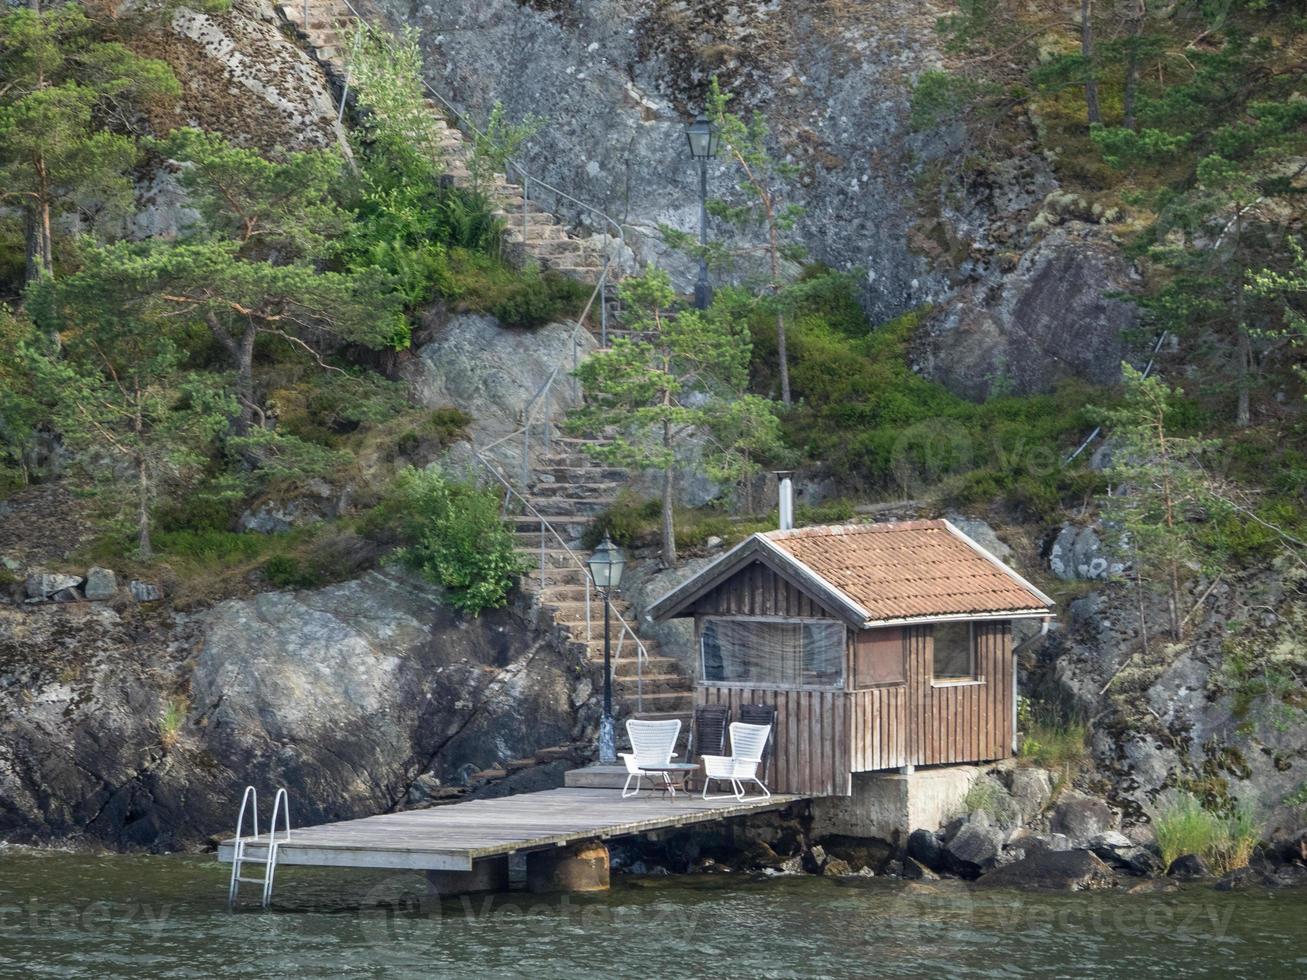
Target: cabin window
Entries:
(772, 652)
(878, 658)
(955, 652)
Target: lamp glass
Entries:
(607, 564)
(703, 138)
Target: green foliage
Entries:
(941, 97)
(172, 720)
(453, 535)
(395, 124)
(529, 298)
(867, 416)
(119, 393)
(497, 142)
(66, 83)
(1161, 488)
(689, 375)
(19, 409)
(1225, 842)
(1051, 741)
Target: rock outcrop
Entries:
(140, 730)
(1054, 317)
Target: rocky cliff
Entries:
(129, 726)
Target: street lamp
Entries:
(606, 566)
(704, 140)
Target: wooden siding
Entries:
(880, 731)
(810, 752)
(969, 722)
(758, 590)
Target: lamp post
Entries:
(606, 566)
(704, 140)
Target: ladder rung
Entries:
(253, 881)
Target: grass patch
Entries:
(1224, 842)
(172, 720)
(480, 283)
(988, 797)
(1050, 740)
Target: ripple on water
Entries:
(64, 914)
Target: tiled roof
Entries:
(909, 569)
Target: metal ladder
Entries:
(280, 808)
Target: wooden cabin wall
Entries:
(757, 590)
(961, 722)
(810, 751)
(880, 729)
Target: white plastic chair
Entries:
(652, 744)
(741, 766)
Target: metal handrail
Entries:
(547, 528)
(470, 125)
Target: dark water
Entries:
(64, 915)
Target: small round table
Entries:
(669, 772)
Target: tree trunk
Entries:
(1087, 50)
(1243, 341)
(782, 350)
(245, 380)
(143, 547)
(669, 501)
(1137, 15)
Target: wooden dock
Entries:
(451, 838)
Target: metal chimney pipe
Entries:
(785, 486)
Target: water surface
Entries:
(69, 915)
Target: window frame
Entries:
(702, 621)
(973, 675)
(904, 669)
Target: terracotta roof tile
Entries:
(908, 569)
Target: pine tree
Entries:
(252, 267)
(64, 82)
(1159, 490)
(119, 393)
(652, 394)
(763, 183)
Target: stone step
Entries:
(567, 576)
(556, 470)
(556, 558)
(605, 490)
(551, 507)
(651, 684)
(528, 522)
(630, 666)
(678, 702)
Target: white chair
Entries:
(652, 744)
(741, 766)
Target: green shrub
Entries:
(290, 572)
(517, 298)
(986, 796)
(864, 414)
(210, 546)
(1225, 842)
(452, 534)
(172, 720)
(1055, 746)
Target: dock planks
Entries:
(450, 838)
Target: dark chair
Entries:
(708, 733)
(761, 714)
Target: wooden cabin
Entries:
(881, 646)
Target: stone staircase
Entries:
(569, 488)
(532, 234)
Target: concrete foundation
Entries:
(487, 875)
(581, 867)
(890, 805)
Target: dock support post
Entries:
(580, 867)
(487, 875)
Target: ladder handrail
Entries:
(249, 797)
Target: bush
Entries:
(485, 284)
(289, 572)
(863, 413)
(1223, 842)
(452, 535)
